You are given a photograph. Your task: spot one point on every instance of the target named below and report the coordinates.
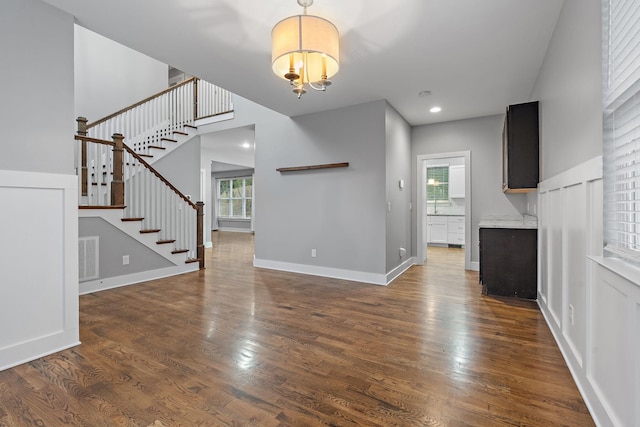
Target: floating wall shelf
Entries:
(312, 167)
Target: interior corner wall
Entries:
(482, 137)
(398, 168)
(110, 76)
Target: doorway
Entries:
(431, 200)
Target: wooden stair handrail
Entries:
(142, 161)
(131, 107)
(159, 176)
(94, 140)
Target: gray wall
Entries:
(182, 168)
(398, 167)
(339, 212)
(37, 94)
(114, 244)
(110, 76)
(569, 90)
(481, 136)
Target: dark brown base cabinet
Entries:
(508, 262)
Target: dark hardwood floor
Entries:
(239, 346)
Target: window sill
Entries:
(617, 266)
(222, 218)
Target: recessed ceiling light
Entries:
(424, 93)
(435, 109)
(246, 145)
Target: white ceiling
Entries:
(229, 149)
(475, 56)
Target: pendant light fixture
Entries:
(305, 50)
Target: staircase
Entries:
(118, 183)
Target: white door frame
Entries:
(421, 178)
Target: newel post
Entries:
(84, 174)
(117, 184)
(195, 99)
(200, 232)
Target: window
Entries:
(235, 197)
(438, 183)
(621, 148)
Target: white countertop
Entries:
(509, 221)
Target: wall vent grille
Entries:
(88, 261)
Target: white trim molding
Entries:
(314, 270)
(591, 303)
(97, 285)
(38, 306)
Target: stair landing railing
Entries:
(147, 122)
(113, 175)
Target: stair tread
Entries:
(168, 139)
(179, 132)
(157, 147)
(190, 260)
(150, 230)
(162, 242)
(131, 219)
(145, 155)
(101, 207)
(179, 251)
(190, 126)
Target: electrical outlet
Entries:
(571, 314)
(313, 253)
(125, 259)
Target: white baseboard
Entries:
(18, 356)
(131, 279)
(313, 270)
(474, 266)
(235, 230)
(397, 272)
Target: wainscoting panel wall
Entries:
(591, 303)
(38, 265)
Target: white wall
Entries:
(38, 306)
(110, 76)
(398, 167)
(483, 138)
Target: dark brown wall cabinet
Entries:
(520, 152)
(509, 262)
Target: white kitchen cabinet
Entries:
(456, 182)
(455, 230)
(437, 229)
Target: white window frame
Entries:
(243, 199)
(621, 133)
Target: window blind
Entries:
(621, 133)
